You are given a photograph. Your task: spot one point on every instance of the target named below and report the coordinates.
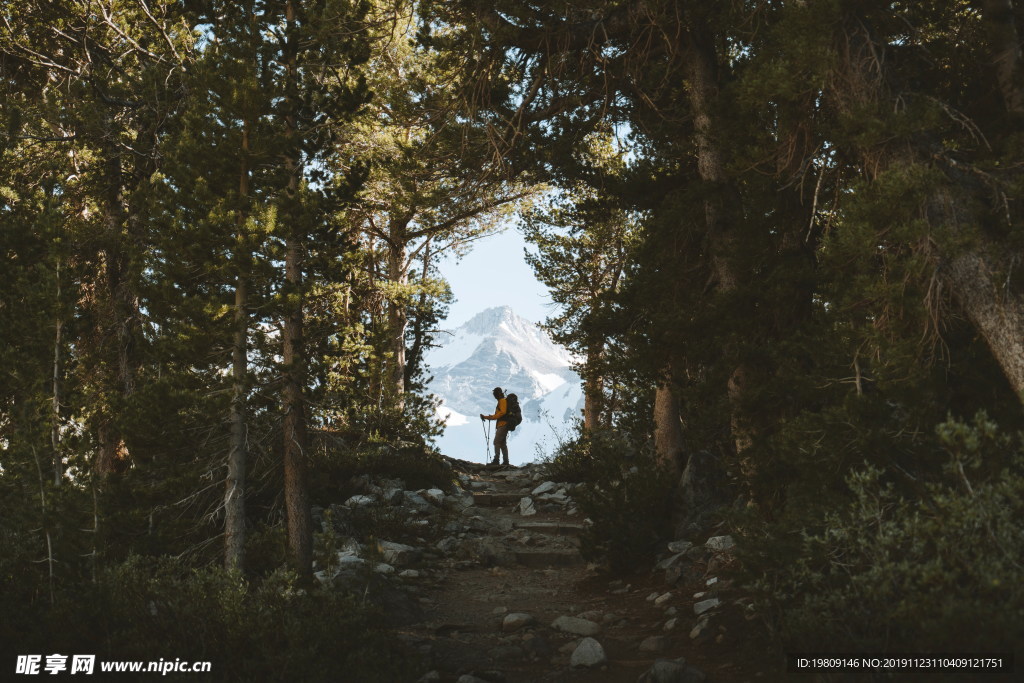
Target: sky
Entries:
(495, 273)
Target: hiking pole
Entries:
(487, 439)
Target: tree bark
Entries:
(234, 495)
(593, 387)
(1005, 42)
(668, 430)
(398, 318)
(296, 476)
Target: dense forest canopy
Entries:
(785, 238)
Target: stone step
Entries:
(540, 559)
(563, 528)
(486, 499)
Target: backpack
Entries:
(513, 413)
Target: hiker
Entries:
(501, 429)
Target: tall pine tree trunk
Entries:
(593, 386)
(668, 430)
(398, 319)
(296, 475)
(234, 495)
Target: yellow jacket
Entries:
(499, 412)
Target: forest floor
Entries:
(535, 569)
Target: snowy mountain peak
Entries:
(497, 347)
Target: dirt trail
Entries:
(530, 565)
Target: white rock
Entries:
(359, 501)
(662, 599)
(409, 574)
(679, 546)
(712, 581)
(577, 626)
(705, 605)
(546, 487)
(349, 558)
(384, 568)
(588, 653)
(435, 496)
(671, 624)
(720, 543)
(516, 621)
(416, 500)
(653, 596)
(526, 507)
(397, 554)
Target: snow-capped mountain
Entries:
(497, 348)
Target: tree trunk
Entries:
(1005, 42)
(668, 430)
(398, 319)
(593, 387)
(720, 208)
(234, 494)
(296, 476)
(58, 376)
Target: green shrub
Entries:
(625, 495)
(149, 608)
(937, 572)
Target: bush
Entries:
(148, 609)
(890, 573)
(338, 462)
(625, 495)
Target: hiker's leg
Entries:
(497, 445)
(501, 443)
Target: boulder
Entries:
(398, 554)
(720, 543)
(435, 496)
(679, 546)
(546, 487)
(516, 621)
(588, 653)
(526, 507)
(360, 501)
(703, 606)
(654, 644)
(393, 496)
(576, 626)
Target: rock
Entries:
(672, 561)
(697, 553)
(662, 599)
(719, 543)
(588, 653)
(670, 625)
(712, 581)
(435, 496)
(384, 568)
(498, 611)
(679, 546)
(359, 501)
(569, 647)
(447, 545)
(546, 487)
(409, 574)
(460, 500)
(526, 507)
(398, 554)
(671, 611)
(516, 621)
(415, 500)
(393, 496)
(654, 644)
(669, 671)
(705, 605)
(349, 558)
(576, 626)
(699, 629)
